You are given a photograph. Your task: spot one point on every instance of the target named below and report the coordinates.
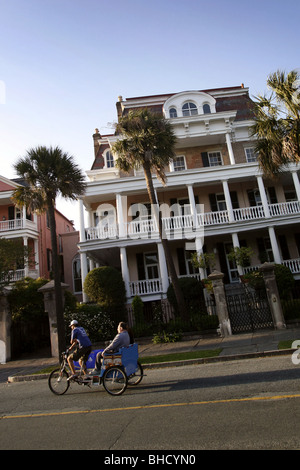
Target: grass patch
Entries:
(180, 356)
(285, 344)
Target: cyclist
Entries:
(80, 339)
(120, 340)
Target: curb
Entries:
(186, 362)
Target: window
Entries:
(221, 202)
(215, 159)
(77, 275)
(178, 163)
(189, 109)
(151, 265)
(173, 113)
(109, 159)
(206, 109)
(251, 155)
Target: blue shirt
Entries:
(81, 336)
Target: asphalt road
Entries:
(243, 404)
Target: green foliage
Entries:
(95, 320)
(241, 255)
(12, 254)
(165, 337)
(138, 310)
(291, 309)
(192, 290)
(105, 286)
(25, 301)
(284, 279)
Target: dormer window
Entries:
(206, 109)
(189, 109)
(173, 113)
(109, 159)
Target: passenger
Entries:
(120, 340)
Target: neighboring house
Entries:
(216, 197)
(34, 230)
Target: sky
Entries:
(63, 63)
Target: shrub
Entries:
(192, 290)
(26, 303)
(138, 310)
(106, 287)
(95, 320)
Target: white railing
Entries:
(139, 228)
(15, 224)
(248, 213)
(293, 264)
(285, 208)
(102, 233)
(145, 287)
(178, 222)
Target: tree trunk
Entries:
(57, 281)
(165, 243)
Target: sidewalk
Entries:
(248, 345)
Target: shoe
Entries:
(72, 377)
(95, 372)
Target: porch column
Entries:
(275, 247)
(36, 256)
(296, 183)
(81, 221)
(199, 249)
(121, 201)
(229, 147)
(26, 266)
(228, 200)
(125, 270)
(84, 272)
(263, 196)
(236, 244)
(24, 217)
(192, 203)
(163, 267)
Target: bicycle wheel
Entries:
(58, 382)
(114, 381)
(137, 376)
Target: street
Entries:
(243, 404)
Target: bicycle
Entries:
(113, 374)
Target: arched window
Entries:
(189, 109)
(206, 109)
(173, 113)
(109, 159)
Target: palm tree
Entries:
(148, 142)
(277, 123)
(48, 173)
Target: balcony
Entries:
(174, 226)
(16, 224)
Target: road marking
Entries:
(147, 407)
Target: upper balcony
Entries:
(189, 226)
(18, 227)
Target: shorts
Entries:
(81, 353)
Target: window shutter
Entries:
(181, 261)
(213, 202)
(140, 266)
(272, 195)
(234, 199)
(205, 160)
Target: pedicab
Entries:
(117, 371)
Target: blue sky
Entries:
(63, 63)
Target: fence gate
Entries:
(249, 310)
